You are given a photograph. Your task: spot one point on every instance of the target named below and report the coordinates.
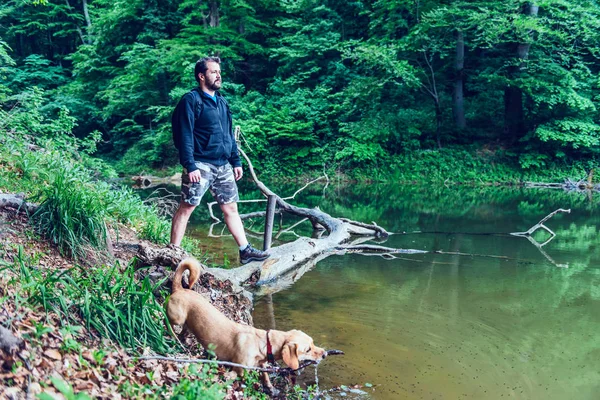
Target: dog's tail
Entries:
(190, 264)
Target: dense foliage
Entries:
(41, 158)
(371, 84)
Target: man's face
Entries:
(212, 76)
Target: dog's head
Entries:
(298, 346)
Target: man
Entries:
(203, 134)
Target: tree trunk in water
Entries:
(514, 118)
(458, 97)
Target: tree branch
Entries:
(540, 225)
(276, 369)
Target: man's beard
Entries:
(216, 85)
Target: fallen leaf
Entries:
(87, 355)
(53, 354)
(172, 375)
(84, 385)
(98, 376)
(110, 363)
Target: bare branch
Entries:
(540, 225)
(204, 361)
(289, 230)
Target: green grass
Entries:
(76, 205)
(71, 215)
(112, 303)
(479, 167)
(116, 306)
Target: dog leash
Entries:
(270, 356)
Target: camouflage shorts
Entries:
(218, 179)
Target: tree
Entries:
(514, 119)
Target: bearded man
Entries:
(203, 135)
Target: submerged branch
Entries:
(540, 225)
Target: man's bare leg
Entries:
(180, 221)
(234, 223)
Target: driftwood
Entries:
(582, 185)
(392, 253)
(297, 257)
(149, 181)
(540, 225)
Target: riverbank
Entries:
(76, 328)
(451, 166)
(77, 310)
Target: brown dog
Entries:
(241, 344)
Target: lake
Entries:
(523, 325)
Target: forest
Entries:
(375, 86)
(375, 94)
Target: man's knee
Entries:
(185, 209)
(229, 209)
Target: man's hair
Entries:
(201, 66)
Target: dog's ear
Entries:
(289, 353)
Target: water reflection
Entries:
(448, 326)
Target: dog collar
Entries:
(270, 356)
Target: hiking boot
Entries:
(252, 254)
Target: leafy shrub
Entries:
(71, 215)
(75, 205)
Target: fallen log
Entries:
(303, 253)
(582, 185)
(18, 202)
(150, 181)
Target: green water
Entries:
(434, 326)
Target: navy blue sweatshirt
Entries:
(210, 139)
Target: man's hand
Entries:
(238, 172)
(194, 176)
